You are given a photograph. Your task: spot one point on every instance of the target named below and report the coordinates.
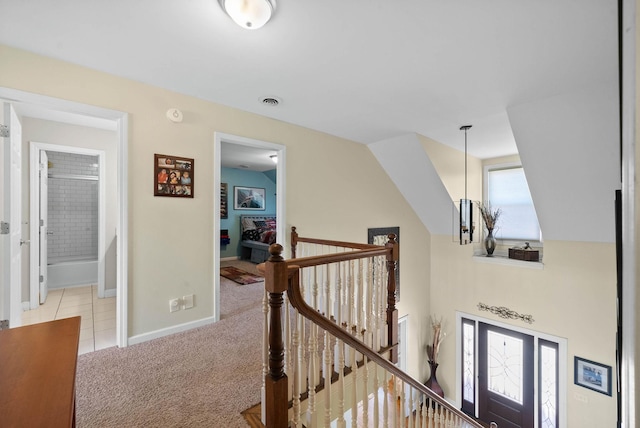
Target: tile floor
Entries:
(98, 323)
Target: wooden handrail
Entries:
(284, 275)
(297, 300)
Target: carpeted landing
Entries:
(203, 377)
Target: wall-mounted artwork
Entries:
(592, 375)
(173, 176)
(249, 198)
(224, 212)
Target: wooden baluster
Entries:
(354, 386)
(341, 386)
(296, 368)
(265, 349)
(392, 312)
(376, 400)
(385, 401)
(365, 391)
(339, 347)
(328, 366)
(313, 373)
(276, 282)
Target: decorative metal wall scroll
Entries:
(506, 313)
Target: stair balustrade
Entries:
(331, 341)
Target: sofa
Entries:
(257, 234)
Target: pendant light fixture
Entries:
(249, 14)
(466, 206)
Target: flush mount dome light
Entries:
(249, 14)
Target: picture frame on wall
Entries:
(173, 176)
(224, 212)
(249, 198)
(592, 375)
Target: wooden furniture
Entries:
(38, 374)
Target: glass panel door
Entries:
(505, 377)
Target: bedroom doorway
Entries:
(242, 163)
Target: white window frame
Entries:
(485, 194)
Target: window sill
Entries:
(498, 259)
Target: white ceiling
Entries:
(365, 70)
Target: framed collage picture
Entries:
(173, 176)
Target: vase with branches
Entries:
(490, 218)
(433, 349)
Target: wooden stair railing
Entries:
(345, 344)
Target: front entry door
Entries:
(505, 377)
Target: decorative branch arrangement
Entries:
(438, 337)
(506, 313)
(489, 215)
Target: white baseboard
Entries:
(111, 292)
(26, 306)
(229, 259)
(134, 340)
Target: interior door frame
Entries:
(35, 148)
(562, 363)
(53, 108)
(220, 138)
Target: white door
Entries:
(12, 215)
(44, 231)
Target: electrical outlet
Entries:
(187, 301)
(174, 305)
(580, 397)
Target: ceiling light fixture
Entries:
(249, 14)
(466, 206)
(274, 158)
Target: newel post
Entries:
(392, 312)
(275, 282)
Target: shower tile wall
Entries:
(73, 207)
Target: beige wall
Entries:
(573, 297)
(335, 189)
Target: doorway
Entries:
(68, 217)
(55, 110)
(252, 147)
(505, 377)
(511, 375)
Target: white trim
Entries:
(121, 120)
(110, 292)
(156, 334)
(219, 138)
(563, 372)
(34, 160)
(629, 215)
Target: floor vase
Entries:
(432, 382)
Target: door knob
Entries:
(22, 242)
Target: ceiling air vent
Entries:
(271, 101)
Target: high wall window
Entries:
(506, 188)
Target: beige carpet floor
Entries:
(204, 377)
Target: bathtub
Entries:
(65, 273)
